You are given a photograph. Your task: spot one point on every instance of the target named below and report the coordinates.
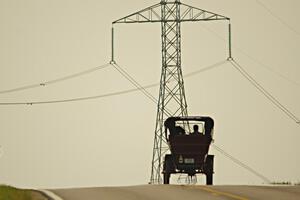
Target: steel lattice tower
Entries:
(172, 100)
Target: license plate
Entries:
(189, 160)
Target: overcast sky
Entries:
(109, 141)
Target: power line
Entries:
(218, 64)
(149, 95)
(270, 69)
(138, 88)
(46, 83)
(241, 164)
(152, 98)
(270, 97)
(77, 99)
(126, 75)
(277, 17)
(253, 59)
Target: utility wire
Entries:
(126, 75)
(277, 17)
(255, 83)
(108, 94)
(218, 64)
(77, 99)
(46, 83)
(149, 95)
(138, 86)
(272, 99)
(270, 69)
(241, 164)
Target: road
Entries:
(176, 192)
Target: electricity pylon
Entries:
(172, 100)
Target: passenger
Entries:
(179, 130)
(196, 130)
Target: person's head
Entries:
(196, 128)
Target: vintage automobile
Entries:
(189, 139)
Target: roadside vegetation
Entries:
(286, 183)
(11, 193)
(282, 183)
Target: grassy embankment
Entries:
(11, 193)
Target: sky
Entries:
(109, 141)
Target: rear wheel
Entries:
(168, 168)
(167, 178)
(209, 169)
(209, 179)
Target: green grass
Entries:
(11, 193)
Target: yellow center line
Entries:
(226, 194)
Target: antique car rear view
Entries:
(189, 139)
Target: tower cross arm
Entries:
(188, 13)
(150, 14)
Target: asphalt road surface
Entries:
(176, 192)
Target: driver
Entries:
(196, 130)
(179, 130)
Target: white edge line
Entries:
(51, 194)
